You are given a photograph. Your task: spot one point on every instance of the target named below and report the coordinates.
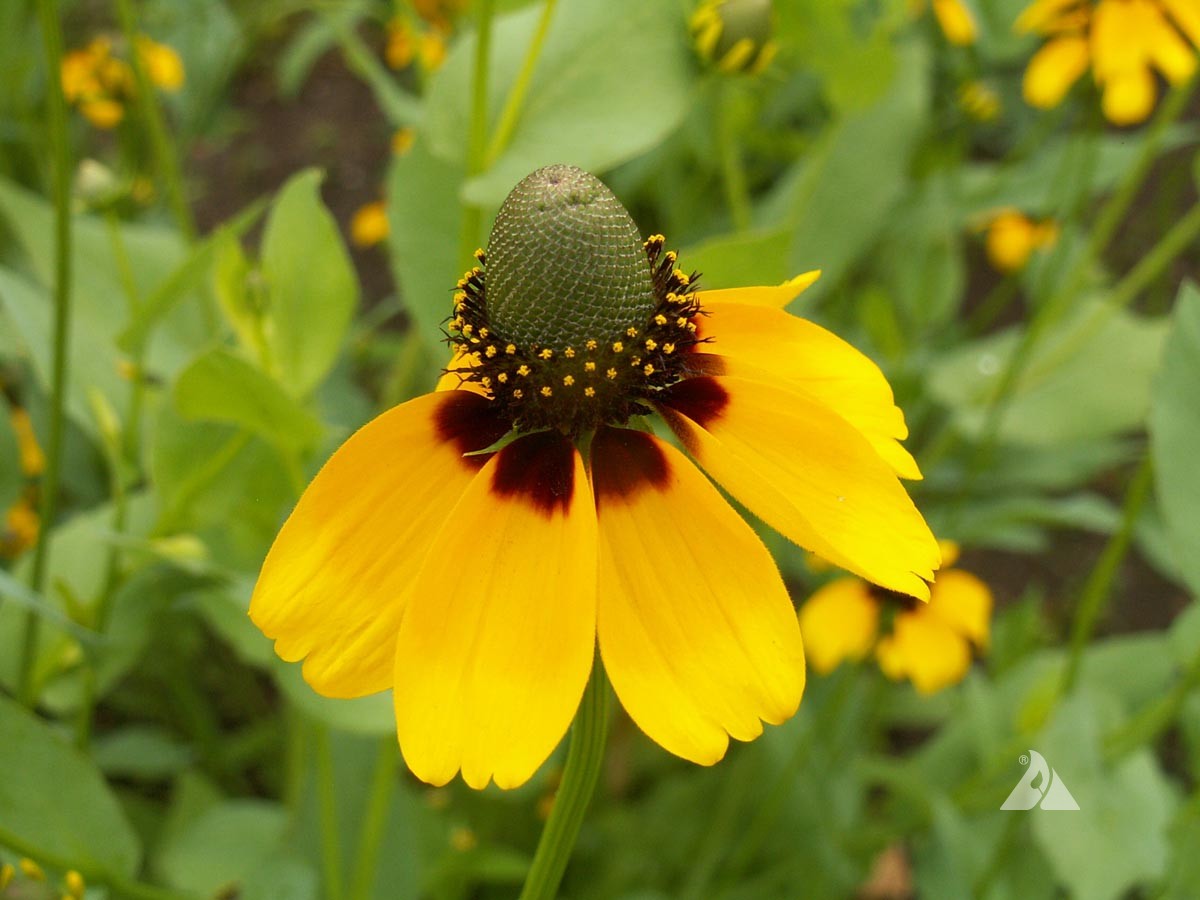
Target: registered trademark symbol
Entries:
(1023, 759)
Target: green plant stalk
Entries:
(61, 173)
(166, 156)
(472, 215)
(331, 848)
(733, 171)
(516, 95)
(375, 820)
(1154, 719)
(1099, 584)
(1048, 313)
(585, 757)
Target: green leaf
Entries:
(311, 285)
(142, 752)
(741, 260)
(425, 214)
(1175, 435)
(1070, 390)
(220, 386)
(612, 80)
(54, 804)
(223, 845)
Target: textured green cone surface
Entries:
(565, 262)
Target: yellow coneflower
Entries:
(370, 224)
(471, 547)
(163, 66)
(101, 84)
(1123, 41)
(1012, 237)
(734, 35)
(929, 644)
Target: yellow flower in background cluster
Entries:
(403, 140)
(734, 35)
(406, 45)
(439, 13)
(954, 17)
(929, 644)
(1125, 42)
(980, 101)
(19, 529)
(370, 224)
(471, 548)
(1012, 237)
(101, 84)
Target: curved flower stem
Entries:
(1096, 590)
(165, 156)
(61, 166)
(472, 215)
(733, 170)
(584, 759)
(516, 96)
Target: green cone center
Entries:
(565, 262)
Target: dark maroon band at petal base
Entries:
(625, 462)
(703, 400)
(469, 422)
(539, 468)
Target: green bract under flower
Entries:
(570, 321)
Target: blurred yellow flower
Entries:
(1124, 41)
(439, 13)
(403, 140)
(734, 35)
(431, 51)
(101, 84)
(401, 47)
(6, 875)
(163, 66)
(369, 225)
(32, 461)
(75, 885)
(955, 19)
(979, 101)
(1012, 237)
(31, 869)
(929, 644)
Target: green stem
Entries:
(1154, 719)
(472, 215)
(379, 805)
(166, 156)
(733, 171)
(516, 96)
(61, 164)
(584, 760)
(1099, 583)
(331, 846)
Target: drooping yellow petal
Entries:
(1173, 56)
(770, 345)
(332, 589)
(925, 650)
(500, 632)
(1129, 96)
(1039, 15)
(1186, 15)
(777, 297)
(808, 473)
(1119, 37)
(1053, 69)
(838, 622)
(963, 602)
(956, 21)
(696, 629)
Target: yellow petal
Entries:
(333, 586)
(1040, 14)
(369, 225)
(925, 650)
(1186, 14)
(1129, 96)
(696, 629)
(770, 345)
(964, 603)
(956, 21)
(1053, 69)
(808, 473)
(1173, 56)
(839, 622)
(1011, 238)
(451, 380)
(500, 632)
(1120, 37)
(777, 297)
